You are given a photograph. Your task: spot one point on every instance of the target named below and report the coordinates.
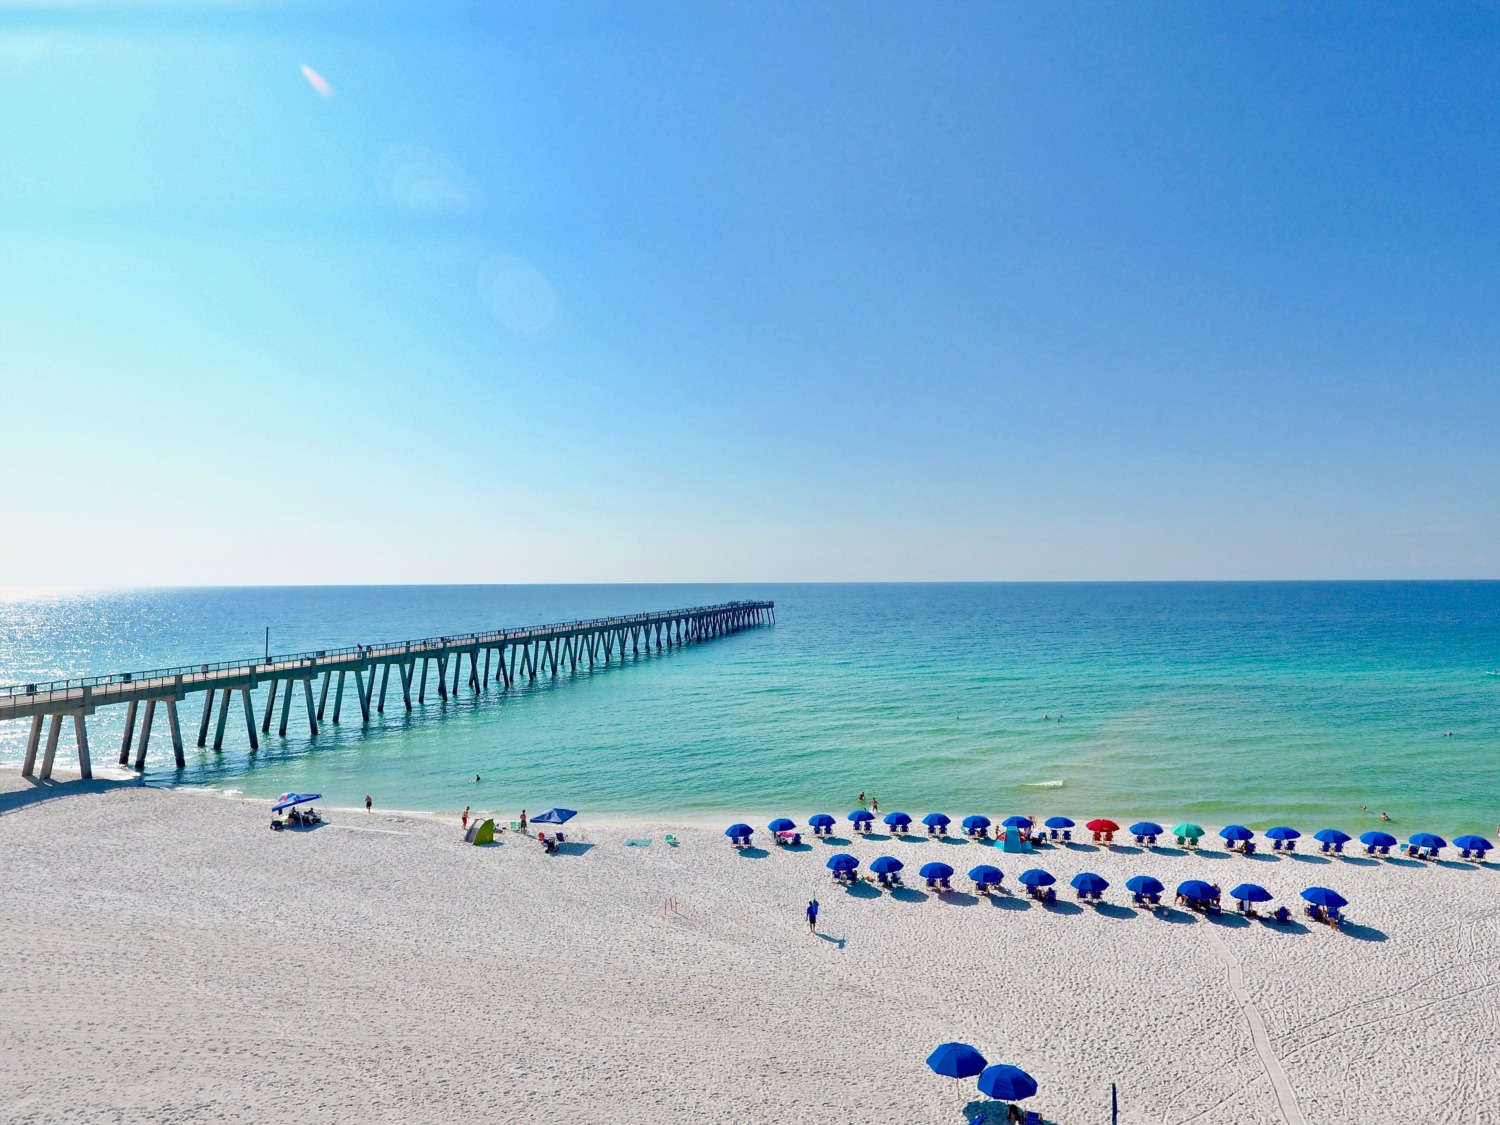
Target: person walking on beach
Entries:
(812, 915)
(523, 822)
(466, 816)
(368, 802)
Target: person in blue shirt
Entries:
(812, 915)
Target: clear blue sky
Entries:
(627, 292)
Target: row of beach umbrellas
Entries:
(1003, 1081)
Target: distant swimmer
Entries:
(1385, 816)
(476, 777)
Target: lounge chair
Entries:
(1182, 841)
(1067, 834)
(932, 883)
(1109, 837)
(1326, 848)
(1275, 845)
(1098, 836)
(1154, 900)
(1249, 848)
(1339, 847)
(1291, 845)
(943, 882)
(1033, 1117)
(1465, 854)
(1412, 851)
(1140, 841)
(1384, 849)
(1151, 841)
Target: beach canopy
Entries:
(861, 816)
(481, 832)
(1008, 1083)
(1251, 892)
(955, 1060)
(782, 824)
(936, 820)
(1196, 889)
(897, 818)
(1428, 840)
(1282, 833)
(1473, 843)
(734, 831)
(886, 865)
(973, 822)
(936, 870)
(1322, 896)
(1145, 828)
(1235, 832)
(1058, 822)
(1378, 839)
(842, 862)
(1144, 885)
(554, 816)
(1188, 830)
(820, 820)
(287, 800)
(1331, 836)
(1036, 877)
(1086, 882)
(984, 873)
(1103, 824)
(1017, 822)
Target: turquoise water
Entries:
(1265, 703)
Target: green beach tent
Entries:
(484, 834)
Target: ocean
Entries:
(1310, 704)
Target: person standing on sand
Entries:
(812, 915)
(368, 802)
(466, 816)
(523, 822)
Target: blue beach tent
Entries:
(1282, 833)
(1086, 882)
(1144, 885)
(956, 1060)
(1331, 836)
(782, 824)
(1235, 833)
(935, 820)
(1428, 840)
(554, 816)
(1017, 822)
(734, 831)
(1378, 839)
(897, 819)
(287, 800)
(1058, 822)
(861, 816)
(973, 823)
(985, 874)
(1008, 1083)
(820, 820)
(886, 865)
(1145, 828)
(936, 870)
(1250, 892)
(1196, 889)
(1035, 877)
(1322, 896)
(842, 862)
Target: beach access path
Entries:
(165, 957)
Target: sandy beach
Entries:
(167, 958)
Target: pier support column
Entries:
(442, 675)
(338, 697)
(140, 748)
(458, 667)
(129, 736)
(312, 717)
(422, 687)
(487, 654)
(249, 718)
(406, 671)
(286, 708)
(32, 741)
(475, 681)
(54, 728)
(208, 713)
(176, 730)
(385, 678)
(81, 733)
(359, 689)
(223, 718)
(323, 694)
(265, 722)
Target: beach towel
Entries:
(638, 843)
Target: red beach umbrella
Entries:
(1102, 825)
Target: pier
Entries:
(504, 657)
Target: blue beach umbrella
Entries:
(554, 816)
(1058, 822)
(956, 1060)
(1017, 822)
(1250, 892)
(1331, 836)
(1036, 877)
(1378, 839)
(1144, 885)
(820, 820)
(1428, 840)
(1008, 1083)
(782, 824)
(1197, 889)
(1145, 828)
(733, 831)
(897, 819)
(984, 873)
(842, 862)
(935, 870)
(935, 820)
(1236, 832)
(861, 816)
(886, 865)
(1282, 833)
(1322, 896)
(287, 800)
(972, 823)
(1086, 882)
(1473, 843)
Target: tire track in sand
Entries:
(1286, 1097)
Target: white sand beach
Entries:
(167, 958)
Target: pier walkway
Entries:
(512, 655)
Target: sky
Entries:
(347, 293)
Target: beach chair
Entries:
(1139, 900)
(1282, 915)
(1412, 851)
(932, 884)
(943, 882)
(1033, 1117)
(1338, 849)
(1182, 841)
(1326, 848)
(1109, 837)
(1098, 836)
(1384, 849)
(1249, 848)
(1465, 854)
(1154, 900)
(1275, 845)
(1151, 841)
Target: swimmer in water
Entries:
(1385, 816)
